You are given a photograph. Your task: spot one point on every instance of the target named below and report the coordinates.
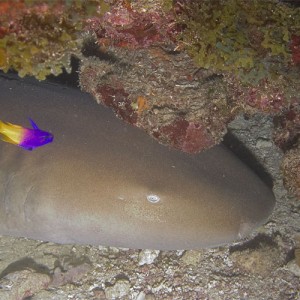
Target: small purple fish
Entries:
(26, 138)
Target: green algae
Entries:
(247, 38)
(40, 38)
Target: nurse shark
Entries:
(103, 182)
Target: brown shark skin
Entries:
(90, 185)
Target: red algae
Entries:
(295, 48)
(185, 136)
(268, 96)
(287, 127)
(175, 132)
(125, 27)
(197, 138)
(118, 100)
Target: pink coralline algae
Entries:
(124, 27)
(268, 96)
(268, 102)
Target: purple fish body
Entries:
(26, 138)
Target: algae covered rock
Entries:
(38, 38)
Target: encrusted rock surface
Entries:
(260, 267)
(165, 94)
(291, 171)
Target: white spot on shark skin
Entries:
(153, 198)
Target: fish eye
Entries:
(47, 137)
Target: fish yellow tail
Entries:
(1, 127)
(3, 137)
(10, 133)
